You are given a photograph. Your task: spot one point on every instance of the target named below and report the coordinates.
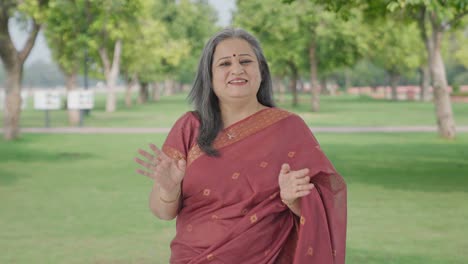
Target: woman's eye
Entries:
(245, 61)
(226, 63)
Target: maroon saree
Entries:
(231, 210)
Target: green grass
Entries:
(335, 111)
(76, 199)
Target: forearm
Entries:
(164, 205)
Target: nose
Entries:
(237, 68)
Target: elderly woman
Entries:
(247, 181)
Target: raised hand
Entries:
(167, 172)
(293, 184)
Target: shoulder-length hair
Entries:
(202, 96)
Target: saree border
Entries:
(241, 130)
(173, 153)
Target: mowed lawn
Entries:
(76, 199)
(345, 110)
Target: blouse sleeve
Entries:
(182, 137)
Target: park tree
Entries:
(109, 22)
(33, 14)
(396, 48)
(65, 32)
(149, 49)
(275, 26)
(305, 30)
(435, 19)
(191, 22)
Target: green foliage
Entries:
(275, 25)
(168, 40)
(287, 30)
(190, 22)
(66, 34)
(366, 73)
(35, 9)
(396, 47)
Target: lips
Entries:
(238, 81)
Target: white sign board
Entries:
(24, 99)
(47, 100)
(80, 99)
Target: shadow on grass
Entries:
(357, 256)
(8, 177)
(19, 153)
(420, 167)
(24, 154)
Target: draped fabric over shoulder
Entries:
(232, 211)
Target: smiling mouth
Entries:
(238, 81)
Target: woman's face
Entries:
(236, 71)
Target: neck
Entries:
(234, 112)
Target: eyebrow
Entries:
(227, 57)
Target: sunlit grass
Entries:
(76, 199)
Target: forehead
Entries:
(229, 47)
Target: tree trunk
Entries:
(347, 79)
(156, 92)
(179, 86)
(323, 86)
(168, 87)
(111, 72)
(394, 80)
(12, 109)
(128, 94)
(70, 84)
(425, 83)
(144, 93)
(315, 89)
(13, 61)
(131, 83)
(280, 89)
(293, 83)
(443, 105)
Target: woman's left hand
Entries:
(293, 184)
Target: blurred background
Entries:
(85, 83)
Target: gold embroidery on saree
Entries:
(173, 153)
(241, 130)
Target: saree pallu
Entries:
(231, 209)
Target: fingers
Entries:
(144, 164)
(145, 173)
(305, 187)
(304, 180)
(146, 154)
(160, 154)
(286, 169)
(300, 173)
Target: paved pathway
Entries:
(145, 130)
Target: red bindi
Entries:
(233, 55)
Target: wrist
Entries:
(169, 196)
(289, 203)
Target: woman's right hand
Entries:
(167, 172)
